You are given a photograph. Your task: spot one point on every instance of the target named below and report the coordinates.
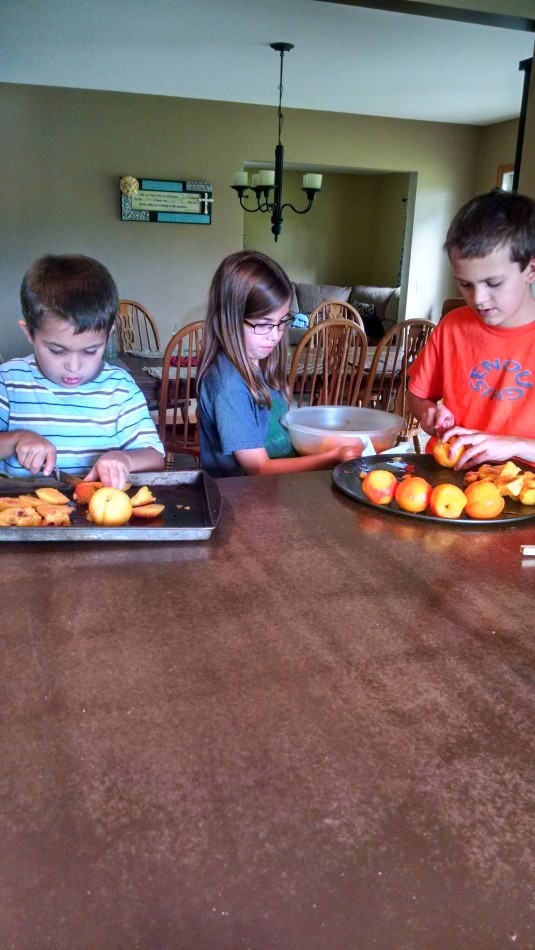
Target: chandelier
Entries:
(266, 181)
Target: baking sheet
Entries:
(192, 506)
(346, 478)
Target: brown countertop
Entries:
(313, 731)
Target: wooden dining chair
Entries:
(335, 310)
(136, 328)
(387, 376)
(177, 414)
(328, 364)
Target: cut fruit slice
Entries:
(147, 511)
(142, 497)
(52, 496)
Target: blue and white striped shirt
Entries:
(107, 413)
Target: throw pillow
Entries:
(310, 296)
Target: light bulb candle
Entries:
(256, 181)
(312, 182)
(240, 180)
(266, 179)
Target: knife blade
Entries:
(66, 477)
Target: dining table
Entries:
(312, 731)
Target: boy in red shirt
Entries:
(479, 362)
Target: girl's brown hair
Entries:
(246, 285)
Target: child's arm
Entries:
(258, 462)
(485, 447)
(434, 419)
(33, 451)
(113, 468)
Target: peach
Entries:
(84, 491)
(379, 486)
(483, 500)
(413, 493)
(447, 501)
(110, 507)
(441, 453)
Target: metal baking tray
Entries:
(192, 506)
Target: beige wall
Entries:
(352, 235)
(64, 150)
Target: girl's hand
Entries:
(436, 420)
(482, 446)
(35, 453)
(112, 469)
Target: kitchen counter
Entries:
(314, 730)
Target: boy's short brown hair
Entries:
(493, 220)
(69, 287)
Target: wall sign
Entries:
(175, 202)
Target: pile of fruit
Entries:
(49, 507)
(482, 498)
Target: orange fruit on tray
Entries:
(447, 501)
(483, 500)
(441, 453)
(84, 491)
(379, 486)
(413, 493)
(110, 507)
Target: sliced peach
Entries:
(55, 514)
(142, 497)
(20, 517)
(30, 501)
(147, 511)
(52, 496)
(7, 502)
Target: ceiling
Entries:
(347, 58)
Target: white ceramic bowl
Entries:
(320, 428)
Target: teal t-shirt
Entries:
(231, 420)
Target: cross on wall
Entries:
(205, 200)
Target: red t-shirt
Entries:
(484, 375)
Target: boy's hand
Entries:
(436, 420)
(482, 447)
(35, 453)
(112, 469)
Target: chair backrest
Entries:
(136, 329)
(328, 364)
(335, 310)
(387, 377)
(177, 421)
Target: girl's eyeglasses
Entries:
(262, 329)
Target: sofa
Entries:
(378, 306)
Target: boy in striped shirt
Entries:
(63, 406)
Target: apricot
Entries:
(142, 497)
(110, 507)
(413, 493)
(147, 511)
(379, 486)
(441, 453)
(447, 501)
(483, 500)
(84, 491)
(52, 496)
